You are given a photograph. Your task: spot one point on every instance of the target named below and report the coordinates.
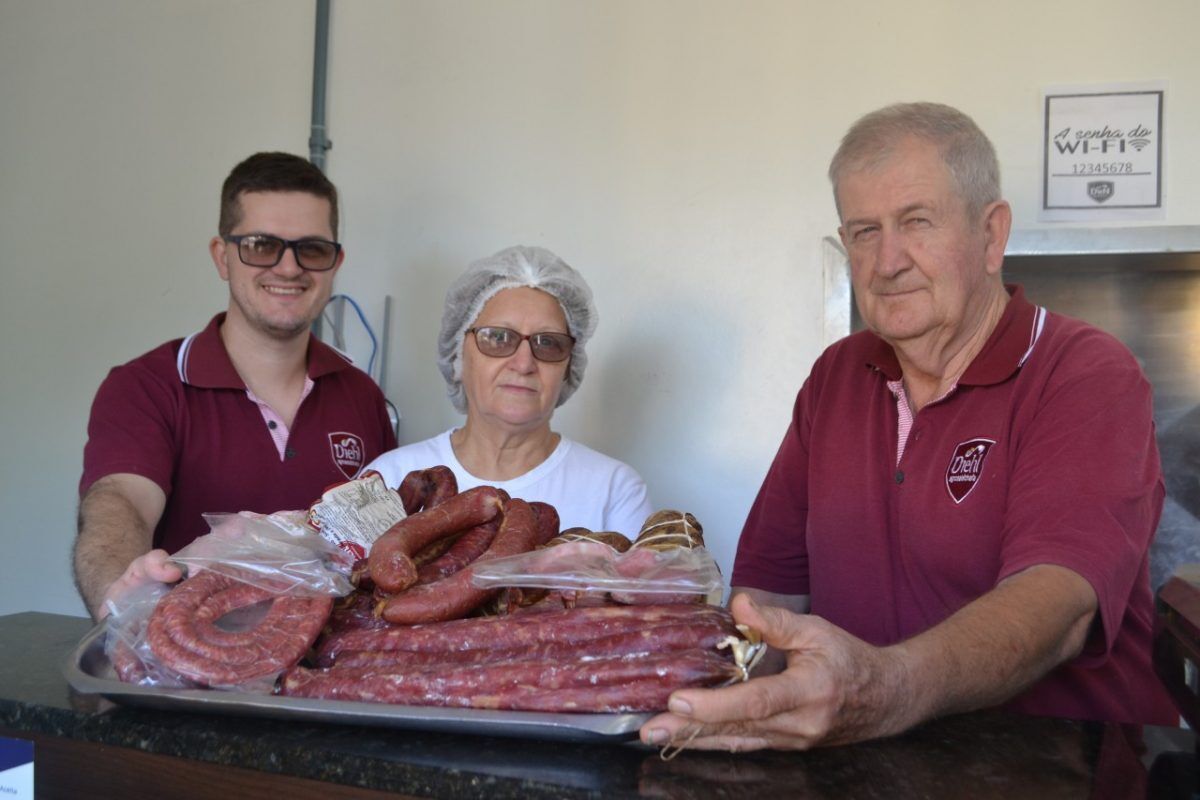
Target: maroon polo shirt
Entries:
(180, 416)
(1044, 453)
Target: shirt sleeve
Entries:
(1086, 490)
(772, 552)
(132, 429)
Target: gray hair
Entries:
(965, 150)
(534, 267)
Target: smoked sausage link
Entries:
(442, 486)
(468, 547)
(454, 596)
(426, 488)
(547, 521)
(391, 558)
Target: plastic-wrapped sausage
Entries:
(181, 633)
(570, 626)
(701, 635)
(620, 683)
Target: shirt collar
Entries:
(204, 362)
(1006, 349)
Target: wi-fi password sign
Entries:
(1103, 153)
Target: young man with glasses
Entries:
(250, 414)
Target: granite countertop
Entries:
(974, 755)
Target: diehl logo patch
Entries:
(1100, 190)
(966, 467)
(347, 450)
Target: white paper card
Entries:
(1102, 153)
(16, 768)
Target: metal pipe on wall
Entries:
(318, 142)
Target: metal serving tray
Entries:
(88, 670)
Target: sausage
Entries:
(524, 630)
(391, 565)
(413, 490)
(468, 547)
(454, 596)
(125, 661)
(547, 521)
(353, 612)
(443, 485)
(437, 549)
(183, 635)
(426, 488)
(513, 598)
(638, 562)
(703, 635)
(628, 683)
(617, 541)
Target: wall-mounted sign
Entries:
(1102, 153)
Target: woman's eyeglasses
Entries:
(261, 250)
(503, 342)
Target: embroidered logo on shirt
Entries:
(966, 467)
(347, 451)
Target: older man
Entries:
(250, 414)
(966, 494)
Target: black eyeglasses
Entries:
(261, 250)
(503, 342)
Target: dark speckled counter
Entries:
(85, 743)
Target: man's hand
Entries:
(834, 689)
(837, 689)
(152, 567)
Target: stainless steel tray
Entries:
(88, 670)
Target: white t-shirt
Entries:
(588, 489)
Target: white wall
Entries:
(118, 122)
(674, 152)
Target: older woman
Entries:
(511, 350)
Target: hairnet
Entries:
(513, 267)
